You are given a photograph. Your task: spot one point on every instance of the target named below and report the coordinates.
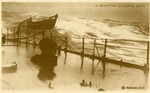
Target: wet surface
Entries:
(68, 74)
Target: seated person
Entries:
(47, 60)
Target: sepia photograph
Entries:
(75, 46)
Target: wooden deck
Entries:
(68, 73)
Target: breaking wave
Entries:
(81, 27)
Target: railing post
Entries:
(3, 38)
(93, 56)
(65, 59)
(105, 48)
(148, 53)
(82, 46)
(82, 59)
(14, 36)
(94, 48)
(7, 35)
(146, 66)
(34, 43)
(26, 37)
(18, 37)
(82, 53)
(66, 41)
(93, 66)
(104, 57)
(14, 33)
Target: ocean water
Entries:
(110, 29)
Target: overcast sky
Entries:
(119, 11)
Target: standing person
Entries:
(47, 60)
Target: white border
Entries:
(75, 0)
(65, 91)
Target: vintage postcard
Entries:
(74, 46)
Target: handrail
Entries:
(85, 47)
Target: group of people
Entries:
(85, 84)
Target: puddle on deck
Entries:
(68, 73)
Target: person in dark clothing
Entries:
(47, 60)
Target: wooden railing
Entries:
(94, 48)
